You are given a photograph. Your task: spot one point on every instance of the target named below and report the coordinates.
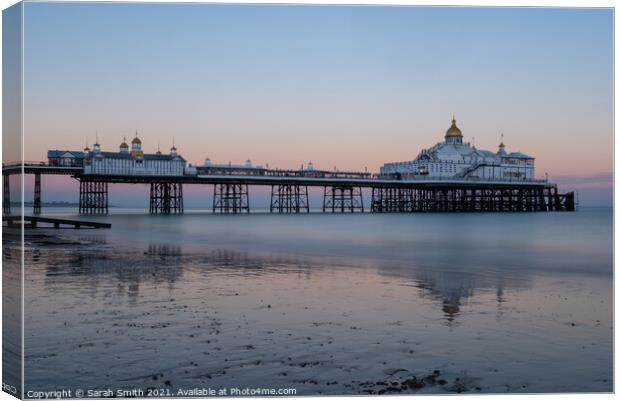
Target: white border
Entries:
(483, 3)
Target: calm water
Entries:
(331, 304)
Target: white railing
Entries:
(470, 179)
(136, 172)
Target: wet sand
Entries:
(108, 315)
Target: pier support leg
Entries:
(166, 198)
(392, 200)
(289, 198)
(37, 194)
(556, 199)
(570, 202)
(231, 198)
(552, 198)
(93, 197)
(341, 199)
(376, 200)
(6, 194)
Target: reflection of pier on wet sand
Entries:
(33, 222)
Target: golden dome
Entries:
(124, 145)
(136, 140)
(453, 130)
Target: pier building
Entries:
(65, 158)
(455, 159)
(127, 161)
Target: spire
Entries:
(173, 149)
(96, 146)
(502, 150)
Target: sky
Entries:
(350, 87)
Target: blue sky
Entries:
(343, 86)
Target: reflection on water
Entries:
(108, 311)
(449, 288)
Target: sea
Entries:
(314, 304)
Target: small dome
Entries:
(124, 145)
(136, 140)
(454, 130)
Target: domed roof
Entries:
(454, 130)
(136, 140)
(124, 144)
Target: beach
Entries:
(322, 304)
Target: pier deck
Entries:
(34, 221)
(289, 191)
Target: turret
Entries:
(454, 134)
(136, 147)
(124, 148)
(136, 144)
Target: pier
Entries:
(289, 191)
